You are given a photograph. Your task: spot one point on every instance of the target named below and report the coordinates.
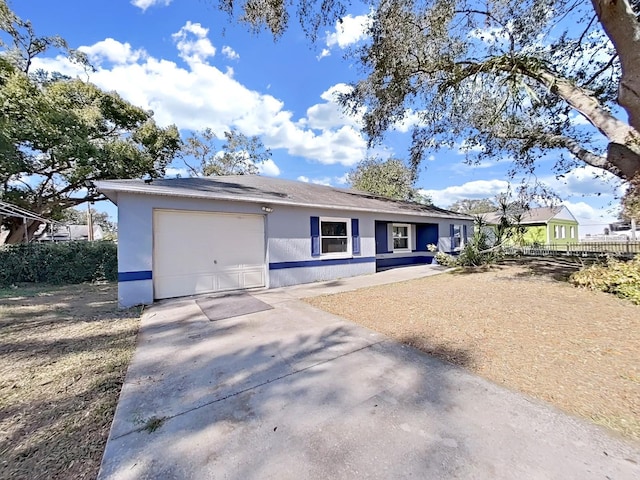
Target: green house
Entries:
(545, 225)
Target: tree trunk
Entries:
(16, 231)
(622, 27)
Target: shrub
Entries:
(446, 260)
(617, 277)
(58, 263)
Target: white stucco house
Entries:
(185, 236)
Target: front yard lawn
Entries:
(518, 325)
(63, 356)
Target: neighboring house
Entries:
(184, 236)
(66, 233)
(545, 225)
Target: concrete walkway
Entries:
(292, 392)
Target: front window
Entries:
(401, 237)
(335, 236)
(458, 239)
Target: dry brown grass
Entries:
(518, 326)
(63, 356)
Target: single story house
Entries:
(544, 225)
(67, 233)
(185, 236)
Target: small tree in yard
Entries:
(239, 155)
(487, 242)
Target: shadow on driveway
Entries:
(295, 392)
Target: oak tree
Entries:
(58, 134)
(516, 78)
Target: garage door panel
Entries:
(170, 286)
(199, 252)
(254, 278)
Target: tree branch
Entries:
(588, 157)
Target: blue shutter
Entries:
(452, 232)
(355, 234)
(464, 233)
(315, 236)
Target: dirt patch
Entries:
(63, 358)
(517, 326)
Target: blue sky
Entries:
(194, 67)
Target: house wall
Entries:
(535, 235)
(567, 227)
(424, 232)
(289, 256)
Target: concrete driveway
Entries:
(291, 392)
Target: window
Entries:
(559, 231)
(572, 232)
(457, 237)
(401, 233)
(335, 236)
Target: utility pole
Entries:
(89, 223)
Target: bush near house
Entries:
(618, 277)
(58, 263)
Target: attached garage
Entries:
(201, 252)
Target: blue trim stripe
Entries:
(133, 276)
(402, 261)
(321, 263)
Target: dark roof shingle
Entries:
(258, 189)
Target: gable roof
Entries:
(271, 191)
(533, 215)
(71, 232)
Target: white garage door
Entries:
(200, 252)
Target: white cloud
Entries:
(410, 120)
(144, 4)
(268, 168)
(591, 220)
(491, 35)
(324, 53)
(112, 51)
(200, 95)
(230, 53)
(583, 181)
(464, 148)
(343, 180)
(176, 172)
(476, 189)
(330, 114)
(431, 158)
(577, 119)
(327, 181)
(349, 31)
(193, 51)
